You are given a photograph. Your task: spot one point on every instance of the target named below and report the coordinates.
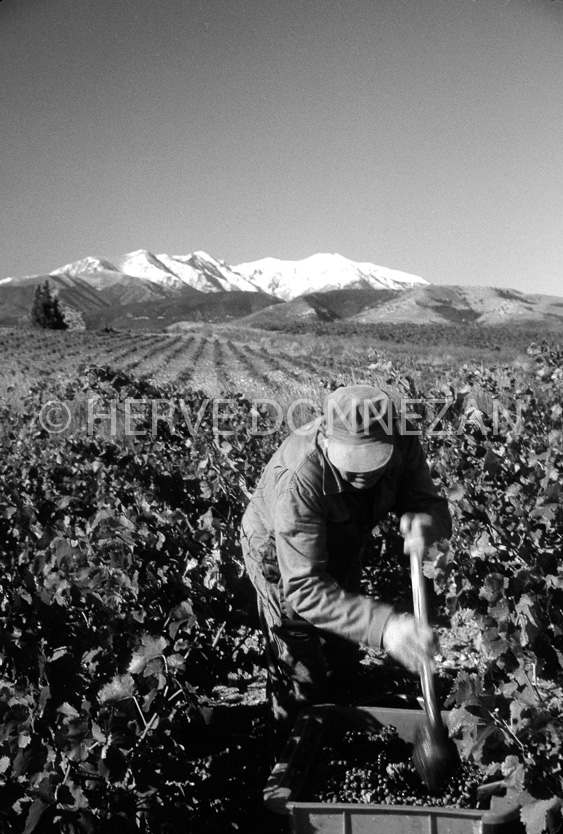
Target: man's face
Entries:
(361, 480)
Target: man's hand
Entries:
(407, 642)
(419, 532)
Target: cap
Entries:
(359, 428)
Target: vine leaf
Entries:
(23, 740)
(36, 811)
(113, 764)
(121, 688)
(150, 649)
(535, 815)
(68, 710)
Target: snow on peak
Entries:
(143, 264)
(282, 278)
(322, 272)
(215, 275)
(86, 266)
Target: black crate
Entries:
(282, 791)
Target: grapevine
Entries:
(124, 603)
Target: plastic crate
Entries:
(282, 791)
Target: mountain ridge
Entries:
(284, 279)
(140, 290)
(444, 306)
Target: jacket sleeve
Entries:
(300, 532)
(416, 491)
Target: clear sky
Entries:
(423, 135)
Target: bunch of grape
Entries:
(358, 767)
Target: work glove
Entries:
(407, 642)
(420, 531)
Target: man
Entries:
(303, 535)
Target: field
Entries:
(256, 363)
(131, 688)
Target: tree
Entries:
(45, 309)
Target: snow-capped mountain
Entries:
(84, 267)
(322, 273)
(213, 274)
(143, 264)
(284, 279)
(143, 287)
(141, 290)
(198, 270)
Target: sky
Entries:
(422, 135)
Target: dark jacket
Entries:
(305, 529)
